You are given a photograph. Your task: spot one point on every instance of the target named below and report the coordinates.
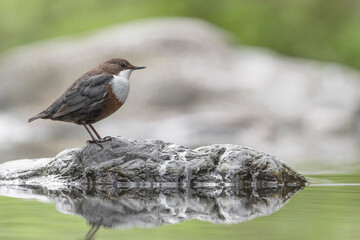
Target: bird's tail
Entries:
(40, 115)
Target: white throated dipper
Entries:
(94, 96)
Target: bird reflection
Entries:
(93, 230)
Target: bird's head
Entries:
(119, 66)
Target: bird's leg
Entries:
(92, 136)
(96, 133)
(108, 138)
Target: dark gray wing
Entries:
(83, 93)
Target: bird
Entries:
(92, 97)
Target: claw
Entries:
(105, 139)
(96, 142)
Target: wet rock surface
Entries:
(152, 163)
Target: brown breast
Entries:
(111, 104)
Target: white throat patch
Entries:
(125, 73)
(120, 85)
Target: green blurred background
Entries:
(326, 30)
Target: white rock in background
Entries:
(197, 89)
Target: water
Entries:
(329, 208)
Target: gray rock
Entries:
(152, 163)
(148, 183)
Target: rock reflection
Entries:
(150, 207)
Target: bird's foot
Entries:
(105, 139)
(99, 141)
(96, 142)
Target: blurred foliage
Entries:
(315, 213)
(319, 29)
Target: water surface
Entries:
(329, 208)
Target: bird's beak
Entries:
(137, 68)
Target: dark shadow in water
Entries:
(125, 208)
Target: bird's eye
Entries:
(122, 64)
